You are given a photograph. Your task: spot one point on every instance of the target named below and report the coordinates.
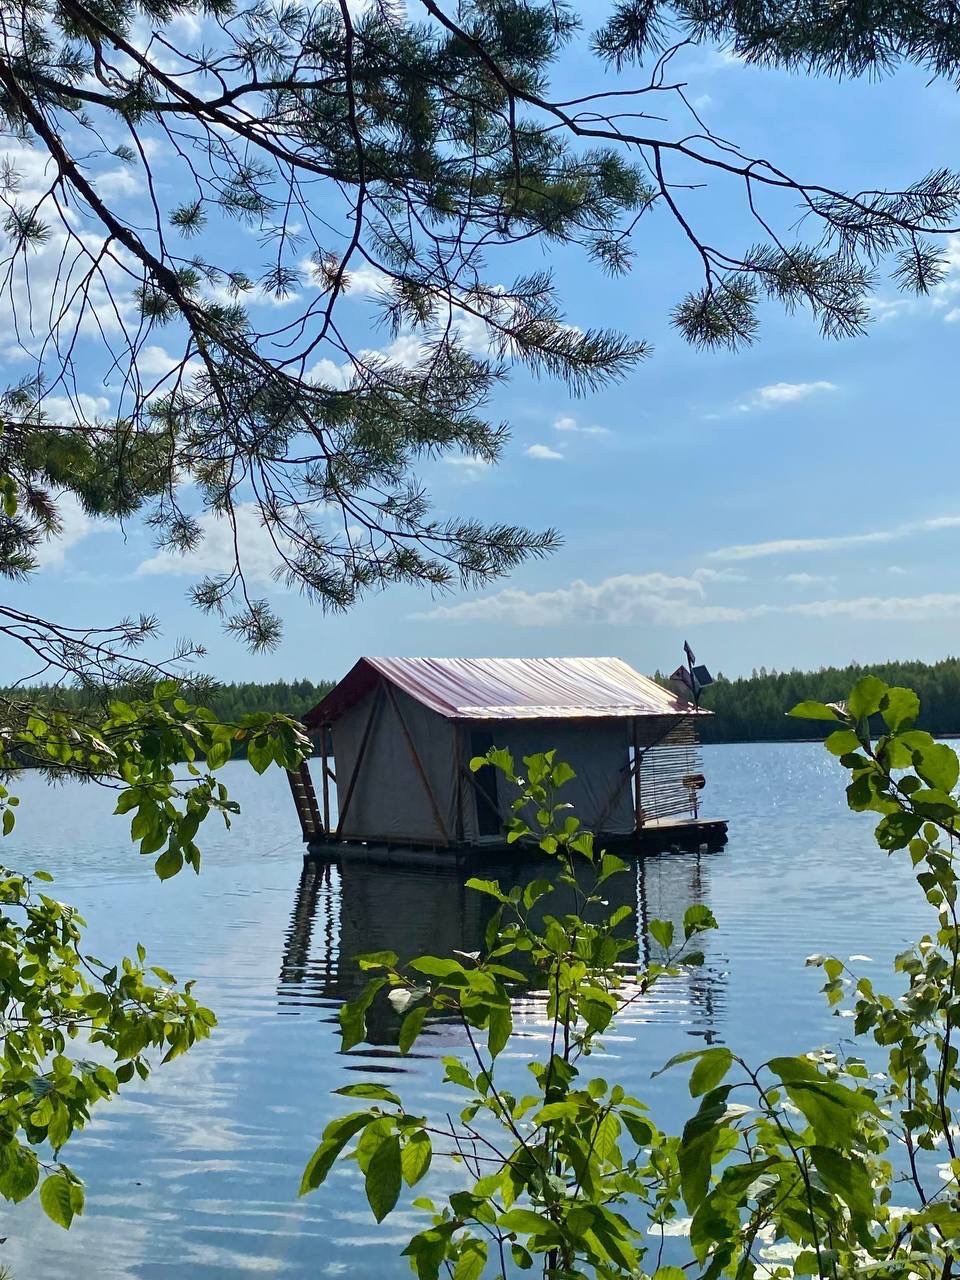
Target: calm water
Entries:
(194, 1175)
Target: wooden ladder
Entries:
(305, 800)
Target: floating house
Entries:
(395, 738)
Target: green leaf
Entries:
(662, 931)
(9, 818)
(845, 1176)
(528, 1223)
(710, 1070)
(640, 1130)
(831, 1109)
(260, 753)
(701, 1134)
(218, 755)
(896, 830)
(814, 711)
(335, 1138)
(489, 887)
(562, 773)
(168, 864)
(411, 1027)
(472, 1260)
(353, 1016)
(435, 967)
(899, 708)
(842, 741)
(415, 1157)
(19, 1174)
(499, 1028)
(687, 1056)
(938, 766)
(365, 1090)
(866, 697)
(384, 1176)
(696, 919)
(60, 1200)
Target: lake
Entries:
(194, 1174)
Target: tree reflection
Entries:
(340, 912)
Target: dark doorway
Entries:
(489, 822)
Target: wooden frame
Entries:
(374, 710)
(325, 731)
(458, 757)
(418, 763)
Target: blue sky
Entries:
(791, 505)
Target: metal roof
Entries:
(507, 688)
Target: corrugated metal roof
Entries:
(508, 688)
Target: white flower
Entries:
(400, 997)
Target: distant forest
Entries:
(228, 701)
(750, 709)
(754, 708)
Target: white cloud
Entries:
(543, 452)
(790, 546)
(662, 600)
(939, 299)
(216, 553)
(896, 569)
(330, 374)
(469, 466)
(570, 425)
(76, 525)
(778, 394)
(70, 409)
(614, 600)
(808, 579)
(719, 575)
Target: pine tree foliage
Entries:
(420, 156)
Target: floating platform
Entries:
(660, 835)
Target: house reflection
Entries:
(344, 911)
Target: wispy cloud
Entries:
(619, 599)
(217, 551)
(808, 579)
(940, 298)
(75, 525)
(840, 542)
(469, 466)
(543, 452)
(663, 600)
(778, 394)
(571, 426)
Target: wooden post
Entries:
(438, 817)
(458, 749)
(377, 703)
(325, 731)
(637, 798)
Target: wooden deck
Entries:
(657, 836)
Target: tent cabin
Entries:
(402, 731)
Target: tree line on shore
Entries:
(753, 708)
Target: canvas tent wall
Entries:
(597, 750)
(404, 729)
(390, 798)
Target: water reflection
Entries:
(342, 912)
